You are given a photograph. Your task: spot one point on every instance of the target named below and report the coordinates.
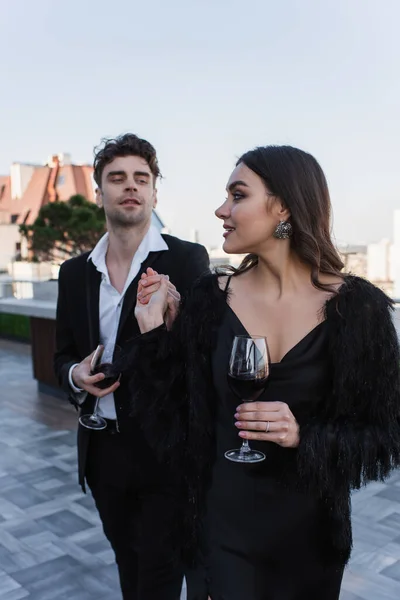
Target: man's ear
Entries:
(155, 198)
(99, 198)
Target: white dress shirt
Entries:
(111, 301)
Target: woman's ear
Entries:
(282, 211)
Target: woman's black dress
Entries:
(262, 538)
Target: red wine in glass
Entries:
(247, 377)
(95, 421)
(247, 389)
(110, 376)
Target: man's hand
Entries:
(149, 285)
(82, 378)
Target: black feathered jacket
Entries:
(352, 439)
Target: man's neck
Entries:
(123, 244)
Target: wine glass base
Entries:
(251, 456)
(93, 422)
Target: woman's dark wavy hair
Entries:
(298, 180)
(128, 144)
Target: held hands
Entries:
(268, 422)
(82, 378)
(157, 301)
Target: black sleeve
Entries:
(357, 437)
(156, 370)
(170, 375)
(172, 399)
(66, 354)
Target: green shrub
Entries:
(15, 326)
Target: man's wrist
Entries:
(71, 382)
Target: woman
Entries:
(328, 420)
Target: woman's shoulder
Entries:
(358, 295)
(359, 286)
(206, 281)
(206, 292)
(216, 280)
(202, 309)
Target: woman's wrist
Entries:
(150, 322)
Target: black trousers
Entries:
(136, 502)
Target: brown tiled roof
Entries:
(74, 181)
(88, 174)
(34, 196)
(46, 185)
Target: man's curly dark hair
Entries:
(128, 144)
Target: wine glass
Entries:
(106, 356)
(247, 377)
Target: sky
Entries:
(204, 81)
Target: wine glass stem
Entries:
(245, 447)
(96, 406)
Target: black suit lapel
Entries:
(93, 281)
(130, 294)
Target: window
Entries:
(14, 218)
(61, 180)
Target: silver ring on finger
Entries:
(267, 427)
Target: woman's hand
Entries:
(150, 286)
(268, 422)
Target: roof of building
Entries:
(54, 181)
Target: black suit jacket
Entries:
(77, 325)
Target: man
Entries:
(97, 294)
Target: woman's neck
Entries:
(281, 272)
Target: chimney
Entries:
(51, 184)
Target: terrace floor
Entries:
(51, 544)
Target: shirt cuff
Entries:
(80, 393)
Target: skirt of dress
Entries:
(262, 543)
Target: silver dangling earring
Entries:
(283, 230)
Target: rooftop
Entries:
(51, 542)
(29, 187)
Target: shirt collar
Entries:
(98, 254)
(152, 242)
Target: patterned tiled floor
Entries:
(51, 543)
